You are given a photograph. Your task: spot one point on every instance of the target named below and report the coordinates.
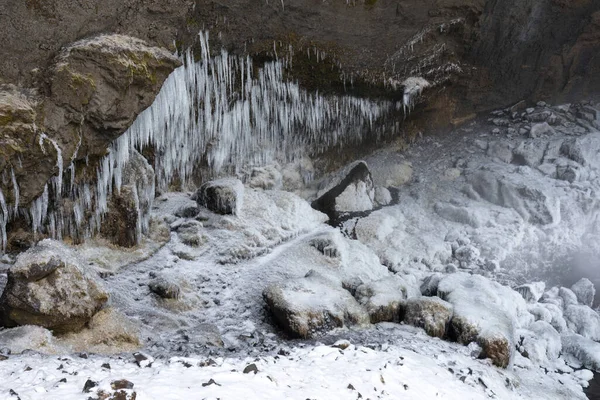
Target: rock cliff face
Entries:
(74, 76)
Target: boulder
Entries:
(27, 337)
(583, 320)
(584, 350)
(305, 306)
(568, 297)
(164, 288)
(585, 291)
(385, 298)
(351, 190)
(531, 292)
(539, 130)
(49, 286)
(530, 153)
(542, 343)
(530, 199)
(500, 151)
(221, 196)
(267, 177)
(484, 312)
(383, 197)
(430, 313)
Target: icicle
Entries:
(15, 190)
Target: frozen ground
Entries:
(502, 205)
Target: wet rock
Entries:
(314, 303)
(430, 313)
(531, 292)
(585, 291)
(49, 287)
(351, 190)
(128, 211)
(385, 298)
(222, 196)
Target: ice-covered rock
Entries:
(314, 303)
(531, 199)
(429, 287)
(583, 320)
(49, 286)
(485, 312)
(27, 337)
(541, 129)
(267, 177)
(430, 313)
(191, 233)
(222, 196)
(568, 297)
(500, 151)
(585, 291)
(129, 206)
(384, 298)
(583, 150)
(383, 197)
(530, 153)
(531, 292)
(351, 190)
(584, 350)
(461, 214)
(164, 288)
(541, 343)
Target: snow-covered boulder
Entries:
(484, 312)
(49, 286)
(222, 196)
(384, 298)
(541, 343)
(267, 177)
(531, 199)
(583, 320)
(430, 313)
(351, 190)
(568, 297)
(584, 350)
(585, 291)
(429, 286)
(314, 303)
(27, 337)
(531, 292)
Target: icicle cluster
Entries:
(220, 111)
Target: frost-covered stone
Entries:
(557, 319)
(585, 291)
(383, 197)
(531, 199)
(531, 292)
(164, 288)
(430, 313)
(585, 350)
(314, 303)
(429, 287)
(501, 151)
(466, 254)
(222, 196)
(48, 286)
(351, 190)
(485, 312)
(27, 337)
(542, 129)
(461, 214)
(542, 343)
(530, 153)
(384, 298)
(568, 297)
(267, 177)
(583, 320)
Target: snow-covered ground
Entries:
(482, 201)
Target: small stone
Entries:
(106, 366)
(89, 385)
(341, 344)
(121, 384)
(541, 104)
(251, 368)
(210, 382)
(351, 387)
(142, 360)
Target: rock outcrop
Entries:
(222, 196)
(49, 287)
